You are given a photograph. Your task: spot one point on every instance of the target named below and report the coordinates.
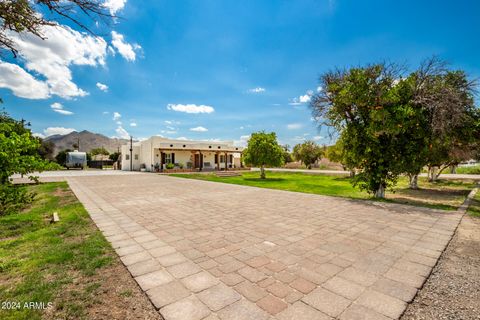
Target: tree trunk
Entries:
(262, 172)
(431, 174)
(413, 181)
(380, 193)
(352, 173)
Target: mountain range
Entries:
(87, 141)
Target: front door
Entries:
(197, 161)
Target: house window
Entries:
(222, 158)
(127, 157)
(168, 158)
(136, 157)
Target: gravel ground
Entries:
(453, 289)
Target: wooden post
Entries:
(218, 161)
(226, 162)
(161, 161)
(200, 160)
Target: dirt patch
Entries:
(446, 197)
(65, 196)
(453, 289)
(111, 294)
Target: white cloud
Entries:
(256, 90)
(294, 126)
(52, 57)
(319, 88)
(39, 135)
(190, 108)
(133, 124)
(125, 49)
(114, 5)
(64, 112)
(168, 131)
(58, 107)
(317, 138)
(199, 129)
(182, 138)
(50, 131)
(122, 133)
(243, 141)
(102, 87)
(116, 116)
(305, 98)
(302, 99)
(105, 112)
(22, 83)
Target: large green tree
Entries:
(365, 106)
(263, 150)
(308, 152)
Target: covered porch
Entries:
(196, 160)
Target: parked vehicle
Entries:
(76, 159)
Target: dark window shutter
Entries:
(173, 157)
(163, 158)
(231, 158)
(216, 158)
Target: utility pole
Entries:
(131, 149)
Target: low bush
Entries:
(14, 198)
(170, 166)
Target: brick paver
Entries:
(204, 250)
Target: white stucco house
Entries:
(155, 153)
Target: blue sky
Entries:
(241, 66)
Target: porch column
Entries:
(241, 163)
(161, 160)
(193, 159)
(218, 160)
(226, 162)
(200, 159)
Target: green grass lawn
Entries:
(474, 209)
(443, 194)
(469, 170)
(45, 262)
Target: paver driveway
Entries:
(205, 250)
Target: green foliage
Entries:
(18, 149)
(263, 150)
(308, 152)
(97, 151)
(61, 157)
(335, 153)
(14, 198)
(390, 125)
(287, 156)
(169, 166)
(114, 156)
(46, 149)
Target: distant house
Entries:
(157, 153)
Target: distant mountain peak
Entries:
(88, 141)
